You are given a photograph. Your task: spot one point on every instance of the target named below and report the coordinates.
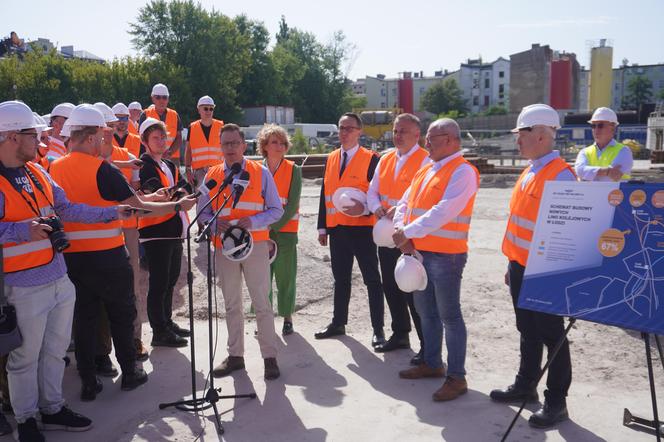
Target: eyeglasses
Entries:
(597, 125)
(207, 108)
(30, 134)
(347, 128)
(525, 129)
(429, 137)
(160, 97)
(125, 118)
(232, 144)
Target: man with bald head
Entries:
(432, 219)
(536, 133)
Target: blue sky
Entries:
(390, 36)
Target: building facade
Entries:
(485, 84)
(529, 77)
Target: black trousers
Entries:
(164, 262)
(538, 330)
(346, 243)
(398, 302)
(112, 288)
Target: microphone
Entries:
(235, 169)
(209, 185)
(239, 184)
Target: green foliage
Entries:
(300, 143)
(495, 110)
(639, 91)
(443, 97)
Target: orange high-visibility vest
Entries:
(132, 127)
(120, 154)
(132, 144)
(251, 202)
(391, 189)
(453, 236)
(56, 148)
(171, 126)
(204, 152)
(153, 220)
(523, 210)
(282, 178)
(30, 254)
(355, 175)
(77, 175)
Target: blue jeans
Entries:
(439, 308)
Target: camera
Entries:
(57, 236)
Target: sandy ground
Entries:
(339, 389)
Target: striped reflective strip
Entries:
(330, 211)
(225, 212)
(458, 220)
(522, 222)
(519, 242)
(33, 246)
(195, 158)
(197, 150)
(250, 206)
(170, 139)
(390, 201)
(295, 217)
(94, 234)
(450, 234)
(328, 199)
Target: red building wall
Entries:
(406, 94)
(561, 84)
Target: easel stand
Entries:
(212, 396)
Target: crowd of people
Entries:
(89, 191)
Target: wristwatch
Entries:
(177, 207)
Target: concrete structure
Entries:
(655, 134)
(359, 87)
(599, 85)
(260, 115)
(485, 84)
(529, 77)
(69, 52)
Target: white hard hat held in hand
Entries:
(409, 273)
(382, 233)
(345, 197)
(236, 243)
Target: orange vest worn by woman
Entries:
(77, 175)
(391, 189)
(283, 181)
(251, 202)
(204, 152)
(453, 236)
(21, 207)
(523, 210)
(355, 175)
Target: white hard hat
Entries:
(159, 89)
(42, 122)
(236, 243)
(205, 100)
(343, 198)
(106, 111)
(120, 109)
(16, 115)
(147, 123)
(382, 233)
(604, 114)
(272, 250)
(537, 115)
(409, 273)
(83, 115)
(62, 110)
(135, 105)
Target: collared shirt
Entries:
(273, 209)
(539, 163)
(589, 173)
(350, 153)
(462, 186)
(373, 194)
(20, 232)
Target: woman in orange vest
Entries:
(273, 144)
(162, 239)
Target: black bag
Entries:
(10, 336)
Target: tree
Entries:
(257, 86)
(639, 91)
(443, 97)
(495, 110)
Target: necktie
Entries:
(343, 164)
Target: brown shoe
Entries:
(230, 364)
(422, 371)
(271, 369)
(141, 352)
(451, 389)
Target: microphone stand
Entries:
(211, 397)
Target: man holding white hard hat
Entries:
(605, 159)
(432, 219)
(343, 215)
(393, 175)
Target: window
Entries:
(501, 74)
(476, 101)
(394, 91)
(501, 96)
(486, 83)
(486, 100)
(382, 105)
(501, 88)
(382, 92)
(422, 90)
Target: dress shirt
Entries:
(539, 163)
(461, 187)
(589, 173)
